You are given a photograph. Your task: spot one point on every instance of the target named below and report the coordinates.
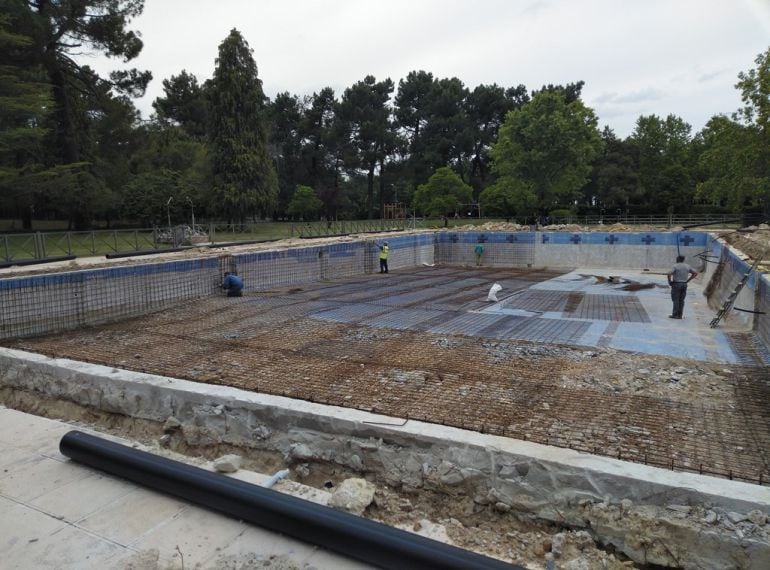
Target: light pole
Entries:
(192, 210)
(168, 211)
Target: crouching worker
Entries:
(233, 285)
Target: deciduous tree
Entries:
(755, 94)
(549, 144)
(444, 193)
(508, 197)
(304, 204)
(727, 164)
(613, 183)
(665, 169)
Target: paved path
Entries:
(55, 513)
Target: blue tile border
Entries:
(72, 277)
(686, 239)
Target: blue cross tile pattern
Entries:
(648, 239)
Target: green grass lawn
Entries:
(45, 243)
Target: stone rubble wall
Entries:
(652, 515)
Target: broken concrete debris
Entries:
(352, 495)
(229, 463)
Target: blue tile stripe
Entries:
(311, 254)
(684, 239)
(109, 273)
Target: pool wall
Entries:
(51, 303)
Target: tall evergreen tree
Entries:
(412, 112)
(325, 149)
(64, 28)
(24, 106)
(285, 114)
(366, 118)
(448, 134)
(245, 182)
(487, 106)
(183, 104)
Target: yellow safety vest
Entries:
(384, 252)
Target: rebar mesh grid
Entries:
(51, 303)
(327, 343)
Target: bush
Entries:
(561, 213)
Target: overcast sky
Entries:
(635, 56)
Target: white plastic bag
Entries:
(493, 292)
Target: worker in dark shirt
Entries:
(233, 285)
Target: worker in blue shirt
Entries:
(233, 285)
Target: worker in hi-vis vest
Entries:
(383, 257)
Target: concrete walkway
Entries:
(55, 513)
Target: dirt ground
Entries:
(755, 244)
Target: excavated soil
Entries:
(755, 244)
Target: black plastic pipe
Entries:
(369, 541)
(36, 261)
(121, 254)
(233, 243)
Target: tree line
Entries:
(73, 146)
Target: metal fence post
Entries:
(39, 248)
(93, 242)
(7, 249)
(69, 243)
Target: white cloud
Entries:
(636, 56)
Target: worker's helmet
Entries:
(384, 243)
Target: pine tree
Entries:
(245, 182)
